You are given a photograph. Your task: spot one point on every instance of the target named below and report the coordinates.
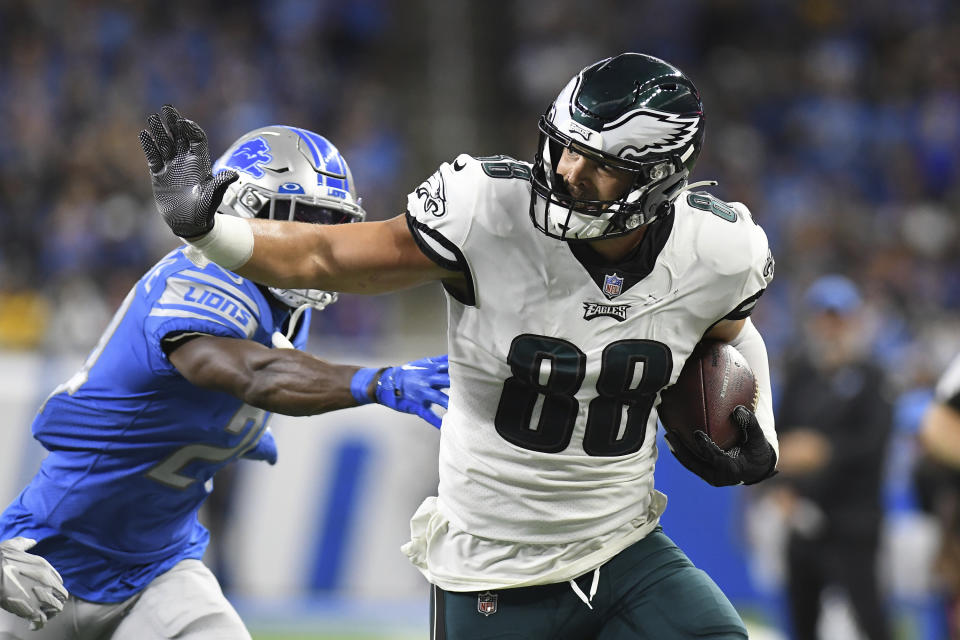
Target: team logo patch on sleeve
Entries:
(432, 196)
(487, 603)
(768, 267)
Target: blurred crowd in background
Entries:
(837, 123)
(839, 126)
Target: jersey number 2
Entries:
(548, 372)
(170, 471)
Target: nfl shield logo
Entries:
(612, 285)
(487, 603)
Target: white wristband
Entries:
(229, 243)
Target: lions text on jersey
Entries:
(557, 361)
(133, 445)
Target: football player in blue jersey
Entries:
(181, 384)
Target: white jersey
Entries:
(557, 363)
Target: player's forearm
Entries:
(290, 255)
(280, 254)
(298, 384)
(940, 434)
(368, 257)
(750, 343)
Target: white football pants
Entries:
(186, 603)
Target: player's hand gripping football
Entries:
(29, 586)
(186, 193)
(411, 388)
(751, 462)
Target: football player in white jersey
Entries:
(577, 287)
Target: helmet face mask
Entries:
(260, 203)
(290, 174)
(633, 113)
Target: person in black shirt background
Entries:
(834, 420)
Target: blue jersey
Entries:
(133, 445)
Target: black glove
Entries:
(751, 462)
(186, 193)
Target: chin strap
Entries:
(703, 183)
(281, 341)
(294, 319)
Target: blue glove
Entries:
(410, 388)
(266, 449)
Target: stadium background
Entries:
(838, 123)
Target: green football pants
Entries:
(649, 590)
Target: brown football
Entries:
(714, 380)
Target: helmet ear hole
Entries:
(659, 171)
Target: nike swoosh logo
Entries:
(652, 299)
(458, 164)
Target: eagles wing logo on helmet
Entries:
(249, 155)
(666, 132)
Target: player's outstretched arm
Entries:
(29, 586)
(292, 382)
(370, 257)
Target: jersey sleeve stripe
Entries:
(183, 313)
(745, 308)
(446, 254)
(182, 295)
(173, 340)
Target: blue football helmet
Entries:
(288, 173)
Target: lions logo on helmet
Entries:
(249, 155)
(288, 173)
(634, 113)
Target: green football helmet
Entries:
(631, 112)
